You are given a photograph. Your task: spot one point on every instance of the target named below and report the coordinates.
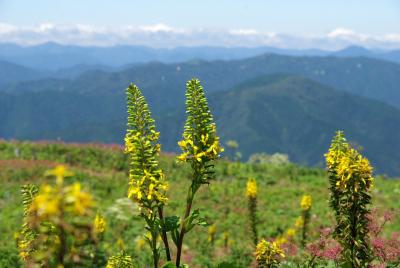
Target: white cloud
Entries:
(160, 27)
(44, 27)
(162, 35)
(7, 28)
(392, 37)
(244, 32)
(341, 32)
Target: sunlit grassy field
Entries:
(102, 170)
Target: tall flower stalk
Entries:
(59, 232)
(350, 177)
(305, 204)
(251, 194)
(27, 235)
(147, 186)
(200, 147)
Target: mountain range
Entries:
(53, 57)
(271, 103)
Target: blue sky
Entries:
(287, 16)
(290, 17)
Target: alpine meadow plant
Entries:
(122, 260)
(268, 254)
(350, 177)
(200, 147)
(147, 186)
(305, 204)
(27, 235)
(251, 195)
(57, 230)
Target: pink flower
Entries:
(333, 253)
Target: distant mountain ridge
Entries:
(11, 72)
(271, 102)
(53, 56)
(366, 77)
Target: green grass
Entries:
(102, 171)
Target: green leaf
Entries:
(195, 219)
(171, 223)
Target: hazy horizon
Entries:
(282, 24)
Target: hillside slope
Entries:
(297, 116)
(277, 113)
(10, 72)
(163, 83)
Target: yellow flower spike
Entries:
(350, 177)
(251, 188)
(212, 230)
(121, 244)
(99, 224)
(60, 172)
(306, 202)
(268, 253)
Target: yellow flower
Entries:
(306, 202)
(122, 260)
(225, 235)
(290, 232)
(347, 164)
(251, 189)
(281, 240)
(204, 139)
(353, 165)
(199, 156)
(60, 172)
(23, 246)
(140, 243)
(299, 222)
(99, 224)
(47, 203)
(78, 200)
(182, 157)
(211, 232)
(268, 253)
(182, 144)
(129, 146)
(121, 244)
(134, 192)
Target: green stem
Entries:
(154, 245)
(189, 202)
(253, 219)
(155, 251)
(306, 218)
(63, 240)
(164, 234)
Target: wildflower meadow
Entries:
(93, 205)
